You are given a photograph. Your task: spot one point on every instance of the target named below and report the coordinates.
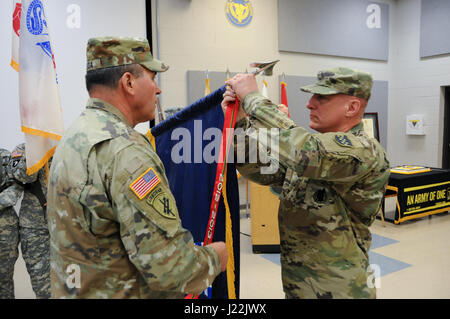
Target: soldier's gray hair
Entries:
(110, 77)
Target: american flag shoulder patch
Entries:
(17, 154)
(145, 183)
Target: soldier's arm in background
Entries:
(150, 228)
(10, 195)
(17, 177)
(17, 167)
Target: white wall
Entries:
(195, 35)
(414, 89)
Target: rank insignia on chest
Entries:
(145, 183)
(343, 140)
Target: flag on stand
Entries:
(284, 93)
(284, 100)
(264, 88)
(207, 84)
(16, 34)
(40, 108)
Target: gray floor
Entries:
(413, 260)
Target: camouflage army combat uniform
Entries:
(111, 212)
(9, 228)
(332, 187)
(33, 229)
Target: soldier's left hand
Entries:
(243, 84)
(229, 97)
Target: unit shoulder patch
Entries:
(163, 203)
(343, 140)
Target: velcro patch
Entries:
(17, 154)
(145, 183)
(343, 140)
(163, 204)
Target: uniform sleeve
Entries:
(18, 169)
(329, 156)
(253, 159)
(10, 196)
(151, 231)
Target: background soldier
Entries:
(332, 183)
(9, 227)
(33, 230)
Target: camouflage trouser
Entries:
(36, 253)
(9, 240)
(35, 246)
(301, 282)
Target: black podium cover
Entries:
(420, 194)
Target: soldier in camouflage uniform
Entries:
(114, 226)
(33, 229)
(9, 228)
(332, 183)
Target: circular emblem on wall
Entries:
(239, 12)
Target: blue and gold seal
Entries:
(239, 12)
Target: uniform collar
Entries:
(357, 127)
(101, 104)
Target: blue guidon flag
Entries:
(192, 180)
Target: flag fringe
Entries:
(36, 167)
(229, 244)
(33, 131)
(14, 65)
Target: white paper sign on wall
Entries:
(414, 124)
